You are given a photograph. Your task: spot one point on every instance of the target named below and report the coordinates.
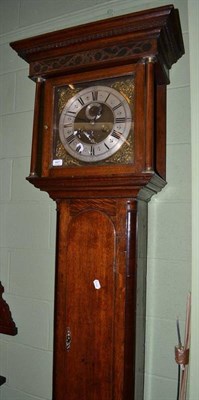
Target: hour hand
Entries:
(89, 135)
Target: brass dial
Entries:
(95, 123)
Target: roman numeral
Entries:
(92, 151)
(81, 101)
(70, 138)
(117, 106)
(106, 146)
(120, 120)
(79, 148)
(116, 134)
(107, 97)
(70, 113)
(95, 95)
(69, 125)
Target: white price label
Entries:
(57, 163)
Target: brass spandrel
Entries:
(64, 94)
(126, 88)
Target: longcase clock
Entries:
(99, 150)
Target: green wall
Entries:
(27, 216)
(193, 12)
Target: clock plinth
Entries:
(99, 151)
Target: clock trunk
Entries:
(99, 277)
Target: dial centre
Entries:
(94, 123)
(93, 111)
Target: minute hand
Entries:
(119, 135)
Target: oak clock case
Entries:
(99, 151)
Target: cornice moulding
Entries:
(155, 32)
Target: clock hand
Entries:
(118, 135)
(89, 135)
